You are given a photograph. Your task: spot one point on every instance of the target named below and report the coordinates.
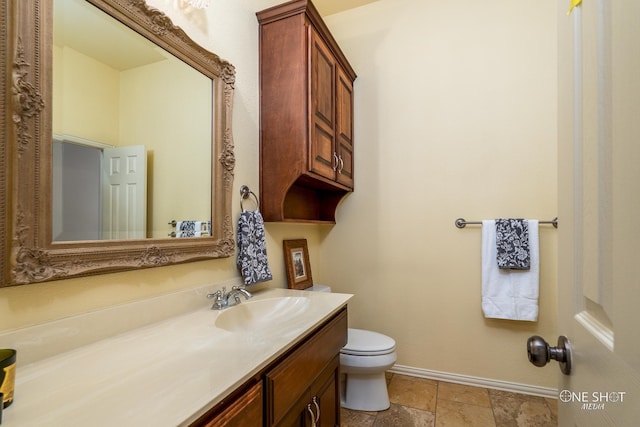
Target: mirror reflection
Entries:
(132, 129)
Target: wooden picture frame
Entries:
(296, 261)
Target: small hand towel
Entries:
(512, 243)
(188, 225)
(252, 248)
(181, 234)
(509, 294)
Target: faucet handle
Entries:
(218, 294)
(243, 290)
(219, 302)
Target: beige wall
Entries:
(455, 116)
(125, 108)
(87, 99)
(167, 107)
(232, 33)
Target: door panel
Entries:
(599, 204)
(76, 201)
(322, 108)
(344, 132)
(125, 193)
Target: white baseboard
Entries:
(476, 381)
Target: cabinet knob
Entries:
(335, 161)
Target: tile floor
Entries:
(421, 402)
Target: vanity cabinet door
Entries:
(326, 391)
(320, 404)
(310, 371)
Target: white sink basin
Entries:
(261, 314)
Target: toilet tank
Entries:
(319, 288)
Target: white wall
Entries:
(455, 116)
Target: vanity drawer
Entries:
(292, 378)
(241, 409)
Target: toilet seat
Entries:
(368, 343)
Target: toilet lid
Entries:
(368, 343)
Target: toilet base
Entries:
(365, 392)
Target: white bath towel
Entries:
(509, 294)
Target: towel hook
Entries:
(245, 193)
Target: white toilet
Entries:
(363, 362)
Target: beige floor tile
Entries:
(413, 392)
(464, 394)
(397, 416)
(349, 418)
(553, 406)
(418, 402)
(456, 414)
(522, 412)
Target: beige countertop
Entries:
(164, 374)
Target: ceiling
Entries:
(76, 21)
(329, 7)
(83, 27)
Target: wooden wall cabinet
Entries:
(306, 116)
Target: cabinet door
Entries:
(319, 406)
(322, 80)
(298, 416)
(326, 391)
(290, 385)
(344, 128)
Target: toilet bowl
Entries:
(363, 362)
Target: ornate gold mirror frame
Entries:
(28, 253)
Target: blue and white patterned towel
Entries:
(188, 225)
(252, 248)
(512, 244)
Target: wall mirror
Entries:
(119, 130)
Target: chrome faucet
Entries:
(224, 299)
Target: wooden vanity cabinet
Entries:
(301, 388)
(304, 388)
(306, 116)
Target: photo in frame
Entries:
(296, 261)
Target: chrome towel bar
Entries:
(462, 223)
